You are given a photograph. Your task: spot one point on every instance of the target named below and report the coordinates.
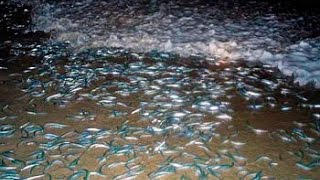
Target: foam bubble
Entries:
(180, 29)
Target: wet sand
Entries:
(271, 152)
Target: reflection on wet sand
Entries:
(128, 115)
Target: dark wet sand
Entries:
(267, 144)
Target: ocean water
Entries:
(187, 28)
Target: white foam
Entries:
(180, 29)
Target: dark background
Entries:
(16, 17)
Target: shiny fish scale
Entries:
(7, 130)
(29, 130)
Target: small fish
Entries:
(76, 89)
(7, 130)
(31, 166)
(74, 163)
(303, 166)
(55, 96)
(3, 68)
(55, 126)
(29, 130)
(225, 117)
(220, 167)
(35, 113)
(136, 111)
(41, 176)
(113, 165)
(237, 143)
(286, 108)
(3, 118)
(162, 171)
(94, 146)
(80, 173)
(256, 131)
(7, 168)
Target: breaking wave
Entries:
(182, 28)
